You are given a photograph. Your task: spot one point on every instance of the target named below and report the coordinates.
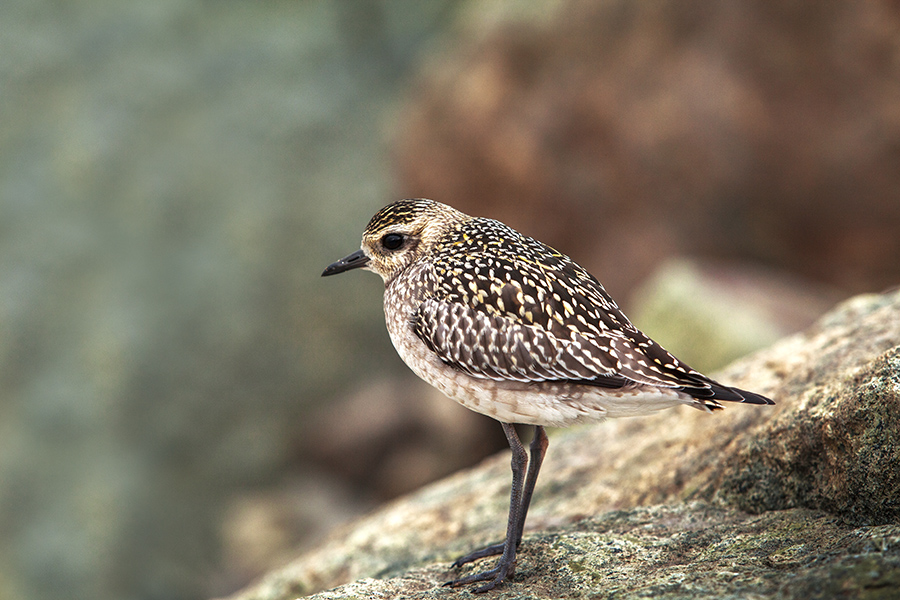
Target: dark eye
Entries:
(392, 241)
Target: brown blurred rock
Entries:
(832, 443)
(392, 436)
(622, 132)
(266, 527)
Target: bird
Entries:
(513, 329)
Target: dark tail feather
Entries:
(732, 394)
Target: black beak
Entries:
(354, 261)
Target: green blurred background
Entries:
(185, 403)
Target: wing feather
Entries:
(498, 347)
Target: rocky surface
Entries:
(687, 551)
(798, 500)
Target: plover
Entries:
(513, 329)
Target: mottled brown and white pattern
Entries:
(513, 329)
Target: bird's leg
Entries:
(508, 557)
(520, 498)
(538, 449)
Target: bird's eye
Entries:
(392, 241)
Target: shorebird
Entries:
(511, 328)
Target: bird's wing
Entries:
(504, 306)
(499, 347)
(552, 321)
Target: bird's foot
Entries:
(492, 550)
(494, 577)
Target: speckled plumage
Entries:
(478, 309)
(511, 328)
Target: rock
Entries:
(715, 312)
(392, 436)
(837, 446)
(686, 551)
(797, 500)
(625, 132)
(265, 527)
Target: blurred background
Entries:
(184, 403)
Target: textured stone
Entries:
(838, 446)
(691, 550)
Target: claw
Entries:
(494, 577)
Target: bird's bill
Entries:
(354, 261)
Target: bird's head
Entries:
(398, 235)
